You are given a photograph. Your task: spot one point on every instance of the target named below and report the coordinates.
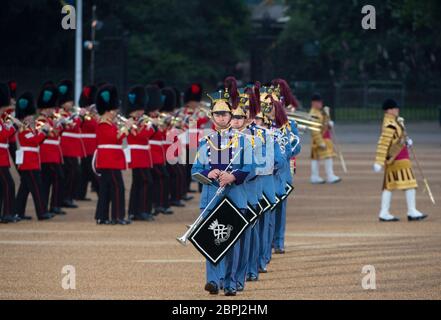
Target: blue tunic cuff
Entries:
(240, 176)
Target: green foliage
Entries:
(328, 40)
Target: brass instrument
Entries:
(11, 120)
(305, 121)
(121, 121)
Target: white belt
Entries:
(138, 147)
(110, 146)
(72, 135)
(30, 149)
(157, 143)
(53, 142)
(4, 146)
(88, 135)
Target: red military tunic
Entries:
(50, 149)
(157, 143)
(6, 133)
(13, 138)
(88, 135)
(71, 141)
(30, 141)
(140, 149)
(109, 152)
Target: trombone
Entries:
(305, 121)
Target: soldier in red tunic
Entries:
(110, 158)
(30, 137)
(7, 186)
(12, 140)
(160, 175)
(141, 192)
(50, 150)
(88, 136)
(71, 142)
(196, 121)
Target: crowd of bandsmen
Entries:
(248, 119)
(59, 148)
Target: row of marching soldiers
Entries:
(253, 117)
(59, 148)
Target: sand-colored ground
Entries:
(332, 232)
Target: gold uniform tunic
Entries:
(392, 153)
(321, 137)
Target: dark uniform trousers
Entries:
(52, 176)
(111, 190)
(182, 179)
(71, 170)
(7, 192)
(161, 190)
(30, 181)
(141, 192)
(87, 175)
(175, 189)
(12, 150)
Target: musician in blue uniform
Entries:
(215, 152)
(251, 186)
(290, 136)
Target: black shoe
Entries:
(122, 222)
(8, 219)
(212, 288)
(58, 211)
(45, 216)
(83, 199)
(263, 270)
(4, 221)
(168, 211)
(69, 204)
(147, 216)
(24, 217)
(394, 219)
(158, 210)
(98, 221)
(229, 292)
(417, 218)
(252, 277)
(239, 287)
(187, 198)
(279, 251)
(177, 203)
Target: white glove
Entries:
(409, 142)
(322, 146)
(331, 124)
(378, 168)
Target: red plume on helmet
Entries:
(279, 111)
(286, 93)
(257, 86)
(230, 83)
(254, 104)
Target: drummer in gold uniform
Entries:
(322, 147)
(393, 156)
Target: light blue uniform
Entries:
(292, 149)
(210, 158)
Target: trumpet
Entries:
(146, 120)
(122, 122)
(305, 120)
(11, 120)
